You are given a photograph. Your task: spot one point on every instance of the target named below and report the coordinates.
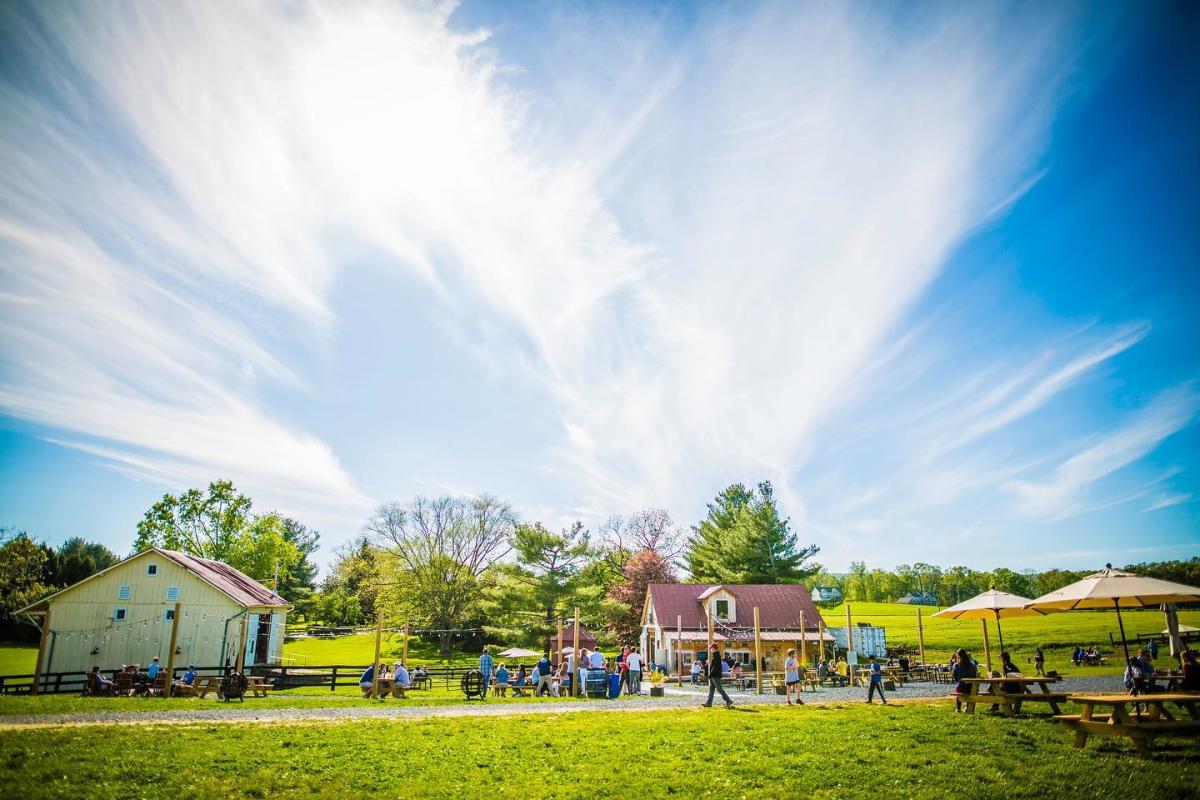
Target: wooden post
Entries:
(987, 653)
(38, 669)
(378, 645)
(821, 637)
(560, 655)
(404, 652)
(920, 635)
(849, 634)
(240, 661)
(708, 614)
(575, 681)
(757, 654)
(171, 653)
(803, 644)
(679, 646)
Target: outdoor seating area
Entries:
(1151, 717)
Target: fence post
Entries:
(333, 680)
(171, 653)
(757, 655)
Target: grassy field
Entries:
(17, 658)
(914, 751)
(360, 649)
(1057, 634)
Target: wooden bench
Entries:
(1140, 728)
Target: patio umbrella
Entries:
(518, 652)
(1113, 588)
(992, 605)
(1180, 629)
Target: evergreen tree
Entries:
(744, 540)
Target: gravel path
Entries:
(676, 697)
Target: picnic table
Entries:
(893, 674)
(1012, 699)
(1141, 728)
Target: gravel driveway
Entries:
(676, 697)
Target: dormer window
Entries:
(722, 609)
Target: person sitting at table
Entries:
(1077, 655)
(823, 669)
(843, 672)
(902, 662)
(189, 677)
(964, 668)
(1135, 677)
(1190, 666)
(400, 680)
(1007, 667)
(366, 681)
(153, 669)
(98, 684)
(562, 683)
(737, 671)
(521, 682)
(501, 680)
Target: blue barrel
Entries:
(614, 686)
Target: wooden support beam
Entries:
(758, 654)
(987, 652)
(803, 644)
(404, 652)
(575, 679)
(849, 634)
(920, 635)
(378, 646)
(240, 661)
(679, 646)
(38, 667)
(821, 637)
(559, 657)
(171, 652)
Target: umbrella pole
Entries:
(987, 652)
(1000, 634)
(1121, 625)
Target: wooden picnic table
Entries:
(863, 674)
(1011, 700)
(1141, 728)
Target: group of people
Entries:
(548, 679)
(139, 682)
(1141, 674)
(396, 680)
(1090, 657)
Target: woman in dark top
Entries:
(1191, 672)
(963, 668)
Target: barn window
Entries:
(722, 609)
(119, 614)
(170, 614)
(151, 570)
(125, 592)
(172, 593)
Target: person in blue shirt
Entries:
(545, 672)
(153, 669)
(501, 680)
(367, 681)
(400, 680)
(876, 682)
(485, 668)
(521, 682)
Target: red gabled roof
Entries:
(779, 605)
(240, 587)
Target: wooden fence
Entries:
(279, 676)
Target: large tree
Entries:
(79, 559)
(435, 551)
(219, 524)
(744, 540)
(24, 578)
(629, 594)
(525, 599)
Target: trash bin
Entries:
(596, 684)
(614, 686)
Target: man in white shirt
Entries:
(633, 664)
(597, 659)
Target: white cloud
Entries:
(1066, 492)
(1168, 499)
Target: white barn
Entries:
(124, 614)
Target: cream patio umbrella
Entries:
(518, 652)
(992, 605)
(1113, 588)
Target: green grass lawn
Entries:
(16, 658)
(913, 751)
(360, 649)
(1057, 634)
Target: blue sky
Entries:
(930, 269)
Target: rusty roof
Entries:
(240, 587)
(779, 605)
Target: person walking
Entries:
(791, 677)
(1039, 662)
(715, 664)
(545, 671)
(633, 668)
(876, 682)
(485, 668)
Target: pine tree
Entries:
(744, 540)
